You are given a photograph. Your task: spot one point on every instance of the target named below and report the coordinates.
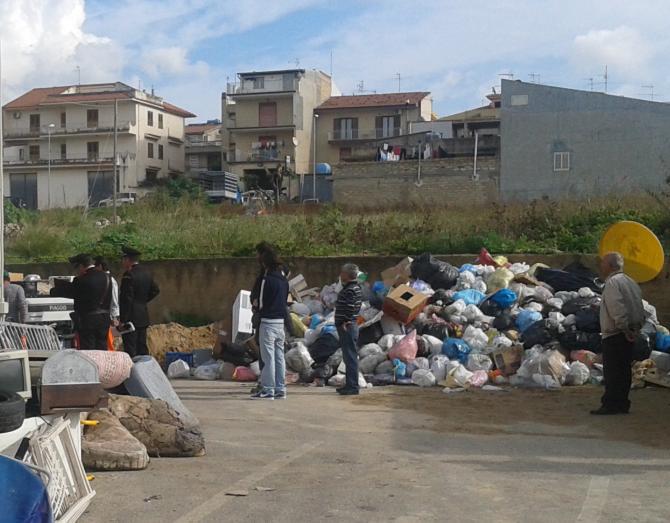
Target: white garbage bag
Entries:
(473, 314)
(211, 371)
(178, 369)
(422, 363)
(386, 342)
(299, 359)
(314, 306)
(433, 344)
(480, 285)
(475, 338)
(579, 374)
(585, 292)
(460, 375)
(479, 362)
(555, 303)
(423, 378)
(385, 367)
(455, 308)
(368, 364)
(369, 349)
(501, 341)
(255, 367)
(300, 309)
(519, 268)
(438, 366)
(338, 380)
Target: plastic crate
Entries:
(174, 356)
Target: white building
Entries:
(69, 132)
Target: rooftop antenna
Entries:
(361, 86)
(296, 62)
(590, 81)
(397, 76)
(651, 91)
(78, 75)
(509, 76)
(606, 77)
(534, 78)
(331, 63)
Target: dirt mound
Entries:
(173, 337)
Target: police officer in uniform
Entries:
(138, 288)
(91, 291)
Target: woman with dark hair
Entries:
(272, 298)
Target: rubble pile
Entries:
(481, 325)
(174, 337)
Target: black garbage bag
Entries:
(440, 297)
(578, 340)
(440, 331)
(436, 273)
(238, 355)
(490, 308)
(588, 320)
(566, 281)
(539, 333)
(323, 348)
(370, 334)
(642, 348)
(580, 304)
(579, 268)
(504, 321)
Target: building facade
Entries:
(204, 147)
(267, 122)
(59, 143)
(348, 123)
(561, 143)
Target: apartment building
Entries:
(267, 122)
(203, 147)
(59, 143)
(345, 123)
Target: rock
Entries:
(110, 446)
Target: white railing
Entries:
(44, 130)
(266, 86)
(363, 134)
(18, 336)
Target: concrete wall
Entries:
(616, 144)
(446, 181)
(206, 289)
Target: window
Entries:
(160, 152)
(150, 149)
(267, 114)
(63, 120)
(92, 150)
(160, 121)
(34, 153)
(34, 123)
(92, 118)
(23, 189)
(519, 99)
(388, 126)
(259, 83)
(345, 128)
(22, 154)
(150, 118)
(194, 161)
(100, 186)
(287, 82)
(63, 151)
(561, 161)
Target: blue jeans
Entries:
(271, 339)
(348, 342)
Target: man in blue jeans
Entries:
(272, 297)
(347, 308)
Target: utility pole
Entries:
(590, 81)
(116, 178)
(397, 75)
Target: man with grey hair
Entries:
(621, 318)
(346, 311)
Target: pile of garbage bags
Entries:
(484, 324)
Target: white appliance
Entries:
(15, 372)
(242, 325)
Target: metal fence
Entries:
(17, 336)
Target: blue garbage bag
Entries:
(399, 368)
(470, 296)
(662, 342)
(380, 289)
(456, 349)
(316, 320)
(468, 267)
(329, 329)
(23, 495)
(526, 318)
(504, 298)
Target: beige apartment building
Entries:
(203, 147)
(59, 143)
(345, 122)
(267, 121)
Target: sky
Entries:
(187, 50)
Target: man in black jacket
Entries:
(138, 288)
(91, 291)
(347, 308)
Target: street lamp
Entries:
(314, 198)
(49, 129)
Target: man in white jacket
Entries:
(621, 318)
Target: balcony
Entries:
(255, 156)
(249, 87)
(43, 131)
(353, 135)
(58, 161)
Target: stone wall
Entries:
(445, 181)
(206, 289)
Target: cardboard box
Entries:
(217, 350)
(508, 360)
(397, 274)
(404, 303)
(242, 313)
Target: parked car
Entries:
(122, 198)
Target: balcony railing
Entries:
(57, 161)
(202, 143)
(256, 155)
(267, 86)
(44, 131)
(358, 134)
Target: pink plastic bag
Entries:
(405, 350)
(113, 367)
(479, 378)
(586, 357)
(244, 374)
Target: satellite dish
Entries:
(641, 250)
(295, 141)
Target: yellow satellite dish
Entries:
(642, 251)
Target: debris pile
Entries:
(174, 337)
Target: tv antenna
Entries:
(534, 78)
(360, 88)
(509, 76)
(650, 94)
(397, 77)
(296, 61)
(590, 81)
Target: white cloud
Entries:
(171, 61)
(622, 49)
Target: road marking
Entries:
(595, 499)
(217, 501)
(494, 458)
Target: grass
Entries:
(165, 227)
